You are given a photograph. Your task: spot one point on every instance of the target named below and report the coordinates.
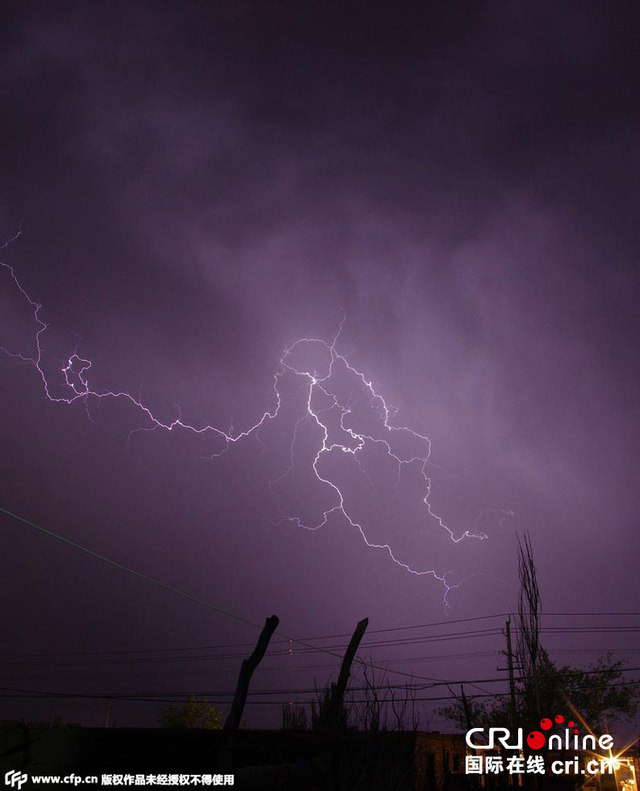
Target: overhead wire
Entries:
(307, 647)
(183, 594)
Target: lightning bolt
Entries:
(323, 399)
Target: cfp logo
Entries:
(15, 779)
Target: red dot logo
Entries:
(535, 740)
(545, 723)
(571, 724)
(559, 719)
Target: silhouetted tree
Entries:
(598, 693)
(191, 713)
(294, 717)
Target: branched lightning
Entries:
(322, 384)
(317, 387)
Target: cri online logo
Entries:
(536, 740)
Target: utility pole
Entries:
(512, 683)
(465, 706)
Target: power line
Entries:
(307, 649)
(331, 650)
(116, 657)
(301, 641)
(246, 644)
(146, 577)
(379, 687)
(19, 693)
(173, 589)
(312, 637)
(576, 614)
(73, 674)
(129, 570)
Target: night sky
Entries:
(196, 186)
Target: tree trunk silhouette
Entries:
(246, 671)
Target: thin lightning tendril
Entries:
(321, 384)
(76, 371)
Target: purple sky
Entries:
(200, 185)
